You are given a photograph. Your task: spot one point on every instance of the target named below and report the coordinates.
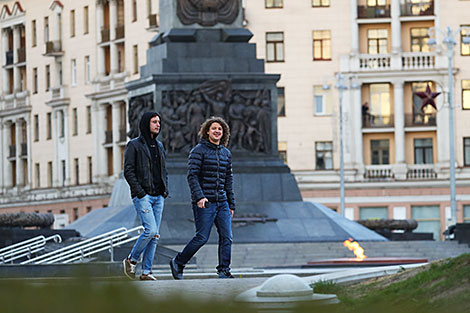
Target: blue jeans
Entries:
(149, 209)
(204, 218)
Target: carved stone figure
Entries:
(137, 107)
(207, 12)
(248, 113)
(22, 219)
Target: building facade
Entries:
(63, 104)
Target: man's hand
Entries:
(201, 203)
(231, 213)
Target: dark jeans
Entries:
(204, 218)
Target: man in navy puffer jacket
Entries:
(210, 179)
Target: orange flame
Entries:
(356, 248)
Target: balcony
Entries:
(418, 60)
(373, 11)
(420, 120)
(379, 172)
(377, 121)
(108, 137)
(9, 57)
(12, 151)
(153, 23)
(405, 61)
(24, 149)
(421, 172)
(21, 55)
(374, 62)
(119, 32)
(54, 48)
(58, 96)
(422, 8)
(104, 35)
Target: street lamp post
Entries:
(340, 85)
(449, 42)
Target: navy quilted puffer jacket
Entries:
(210, 173)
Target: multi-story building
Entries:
(63, 103)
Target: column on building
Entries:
(396, 34)
(101, 53)
(28, 168)
(3, 159)
(7, 168)
(442, 122)
(56, 30)
(64, 149)
(354, 28)
(112, 33)
(357, 131)
(116, 113)
(19, 163)
(56, 166)
(100, 164)
(16, 69)
(5, 76)
(400, 164)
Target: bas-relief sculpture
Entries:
(207, 12)
(248, 112)
(137, 107)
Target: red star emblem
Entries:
(427, 97)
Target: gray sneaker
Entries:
(129, 268)
(176, 270)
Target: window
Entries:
(36, 127)
(377, 41)
(48, 77)
(38, 175)
(64, 171)
(282, 148)
(466, 213)
(464, 48)
(375, 3)
(134, 10)
(466, 94)
(149, 7)
(379, 152)
(75, 214)
(281, 102)
(466, 151)
(423, 151)
(90, 170)
(35, 80)
(371, 213)
(77, 171)
(59, 64)
(72, 23)
(87, 69)
(324, 155)
(269, 4)
(74, 72)
(136, 59)
(75, 122)
(86, 24)
(321, 101)
(49, 125)
(61, 124)
(46, 29)
(320, 3)
(321, 45)
(34, 37)
(88, 209)
(380, 107)
(88, 119)
(49, 174)
(275, 47)
(419, 39)
(428, 218)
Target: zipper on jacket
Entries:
(217, 181)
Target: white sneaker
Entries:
(149, 276)
(129, 268)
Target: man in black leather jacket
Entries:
(210, 179)
(145, 172)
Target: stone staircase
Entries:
(296, 254)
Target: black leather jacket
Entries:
(138, 168)
(210, 173)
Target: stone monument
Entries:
(201, 64)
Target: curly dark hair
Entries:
(207, 124)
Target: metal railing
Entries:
(79, 251)
(364, 11)
(25, 248)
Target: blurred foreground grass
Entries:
(442, 287)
